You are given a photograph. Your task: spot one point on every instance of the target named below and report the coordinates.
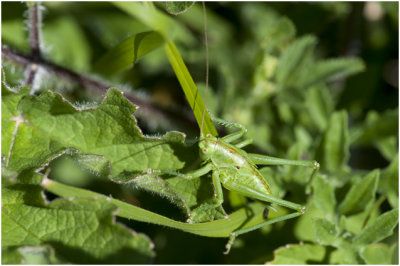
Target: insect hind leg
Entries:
(190, 175)
(235, 234)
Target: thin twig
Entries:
(34, 41)
(30, 74)
(34, 27)
(100, 87)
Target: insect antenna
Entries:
(207, 66)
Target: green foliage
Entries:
(50, 125)
(361, 194)
(298, 254)
(125, 54)
(381, 228)
(123, 164)
(80, 230)
(333, 152)
(377, 254)
(293, 59)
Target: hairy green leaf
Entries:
(333, 152)
(194, 196)
(80, 230)
(320, 106)
(330, 69)
(326, 233)
(360, 195)
(9, 115)
(389, 182)
(155, 184)
(292, 59)
(298, 254)
(379, 229)
(324, 196)
(23, 147)
(52, 125)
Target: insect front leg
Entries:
(244, 143)
(190, 175)
(199, 172)
(219, 195)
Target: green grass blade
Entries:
(124, 55)
(190, 89)
(167, 27)
(241, 219)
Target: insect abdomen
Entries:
(236, 169)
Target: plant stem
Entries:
(34, 41)
(242, 218)
(34, 21)
(95, 85)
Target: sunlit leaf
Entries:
(360, 194)
(333, 152)
(126, 53)
(69, 225)
(298, 254)
(381, 228)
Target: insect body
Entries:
(232, 168)
(236, 170)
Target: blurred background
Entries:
(246, 41)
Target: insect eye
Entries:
(205, 150)
(208, 135)
(237, 167)
(265, 213)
